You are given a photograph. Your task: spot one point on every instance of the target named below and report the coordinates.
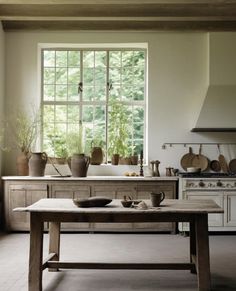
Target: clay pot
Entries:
(115, 159)
(79, 164)
(134, 160)
(124, 161)
(37, 164)
(22, 164)
(96, 156)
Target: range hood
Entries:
(218, 112)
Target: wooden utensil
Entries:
(232, 166)
(200, 161)
(223, 163)
(186, 160)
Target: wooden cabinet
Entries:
(21, 193)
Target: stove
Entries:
(207, 181)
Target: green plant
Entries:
(24, 130)
(59, 146)
(75, 141)
(119, 129)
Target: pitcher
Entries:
(79, 165)
(37, 164)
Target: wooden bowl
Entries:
(126, 203)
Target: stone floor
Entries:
(14, 250)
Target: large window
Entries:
(80, 86)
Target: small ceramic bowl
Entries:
(193, 170)
(126, 203)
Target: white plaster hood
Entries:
(218, 112)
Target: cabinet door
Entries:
(213, 219)
(143, 192)
(71, 191)
(113, 191)
(23, 196)
(230, 209)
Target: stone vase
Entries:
(79, 165)
(96, 156)
(37, 164)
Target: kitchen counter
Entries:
(22, 191)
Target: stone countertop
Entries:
(91, 178)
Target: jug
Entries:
(37, 164)
(79, 164)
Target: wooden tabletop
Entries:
(167, 206)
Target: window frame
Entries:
(82, 102)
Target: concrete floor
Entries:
(14, 250)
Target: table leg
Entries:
(192, 238)
(36, 253)
(202, 252)
(54, 241)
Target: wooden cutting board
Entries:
(186, 160)
(223, 163)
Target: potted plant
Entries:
(24, 132)
(97, 150)
(118, 132)
(78, 161)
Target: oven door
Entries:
(214, 220)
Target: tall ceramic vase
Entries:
(22, 164)
(37, 164)
(79, 165)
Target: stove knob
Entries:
(228, 185)
(201, 184)
(209, 184)
(219, 184)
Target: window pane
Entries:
(48, 113)
(100, 93)
(127, 75)
(49, 58)
(73, 94)
(60, 113)
(127, 93)
(99, 114)
(87, 113)
(115, 75)
(100, 76)
(139, 58)
(61, 76)
(61, 92)
(61, 58)
(88, 59)
(138, 114)
(139, 93)
(115, 59)
(127, 59)
(100, 59)
(114, 93)
(138, 130)
(48, 92)
(74, 59)
(88, 93)
(73, 75)
(49, 76)
(73, 113)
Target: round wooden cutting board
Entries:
(186, 160)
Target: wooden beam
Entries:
(121, 25)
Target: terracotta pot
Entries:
(124, 161)
(134, 160)
(115, 159)
(79, 164)
(37, 164)
(96, 156)
(22, 164)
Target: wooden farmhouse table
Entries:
(56, 211)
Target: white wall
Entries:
(178, 71)
(2, 79)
